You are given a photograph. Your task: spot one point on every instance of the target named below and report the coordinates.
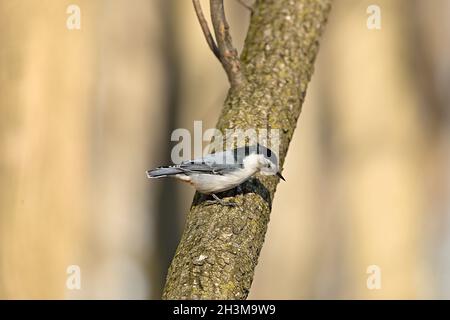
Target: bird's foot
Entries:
(220, 201)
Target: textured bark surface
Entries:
(220, 246)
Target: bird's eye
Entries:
(268, 165)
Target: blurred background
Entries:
(83, 114)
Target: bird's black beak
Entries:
(280, 176)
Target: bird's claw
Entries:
(217, 200)
(221, 202)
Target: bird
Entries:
(222, 171)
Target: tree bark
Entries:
(220, 246)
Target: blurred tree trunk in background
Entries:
(126, 127)
(430, 47)
(379, 149)
(43, 134)
(167, 228)
(77, 134)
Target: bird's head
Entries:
(267, 162)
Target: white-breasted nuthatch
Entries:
(222, 171)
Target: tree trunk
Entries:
(220, 245)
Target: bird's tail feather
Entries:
(162, 172)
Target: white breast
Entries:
(208, 183)
(212, 183)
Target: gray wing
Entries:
(216, 163)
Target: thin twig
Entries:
(228, 54)
(205, 28)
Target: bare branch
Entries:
(205, 28)
(228, 54)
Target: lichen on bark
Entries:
(220, 246)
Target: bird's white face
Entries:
(261, 164)
(268, 168)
